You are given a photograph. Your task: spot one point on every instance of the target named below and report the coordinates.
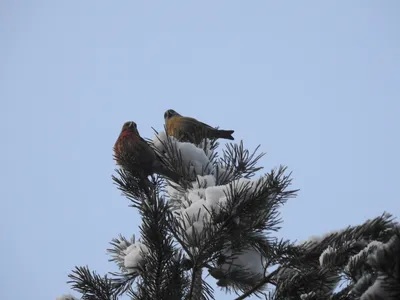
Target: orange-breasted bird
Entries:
(187, 129)
(130, 147)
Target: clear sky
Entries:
(316, 83)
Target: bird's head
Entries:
(170, 113)
(130, 126)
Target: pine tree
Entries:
(221, 220)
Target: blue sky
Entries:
(316, 83)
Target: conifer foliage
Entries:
(220, 219)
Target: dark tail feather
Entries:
(226, 134)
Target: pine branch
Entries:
(255, 205)
(238, 163)
(305, 272)
(256, 209)
(282, 252)
(199, 289)
(155, 236)
(154, 231)
(265, 280)
(176, 281)
(350, 240)
(295, 282)
(135, 187)
(231, 234)
(170, 154)
(91, 285)
(384, 260)
(118, 251)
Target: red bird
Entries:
(131, 149)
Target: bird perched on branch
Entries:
(131, 151)
(187, 129)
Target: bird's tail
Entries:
(225, 134)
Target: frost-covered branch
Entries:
(155, 262)
(221, 217)
(238, 162)
(229, 222)
(323, 262)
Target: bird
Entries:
(189, 129)
(132, 151)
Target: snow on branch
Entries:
(128, 254)
(220, 216)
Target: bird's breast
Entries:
(127, 133)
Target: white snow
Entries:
(222, 172)
(194, 205)
(204, 181)
(198, 202)
(309, 295)
(193, 157)
(377, 289)
(375, 254)
(174, 195)
(206, 142)
(120, 251)
(197, 209)
(158, 139)
(213, 196)
(134, 255)
(325, 254)
(250, 260)
(362, 254)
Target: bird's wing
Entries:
(144, 148)
(143, 140)
(193, 122)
